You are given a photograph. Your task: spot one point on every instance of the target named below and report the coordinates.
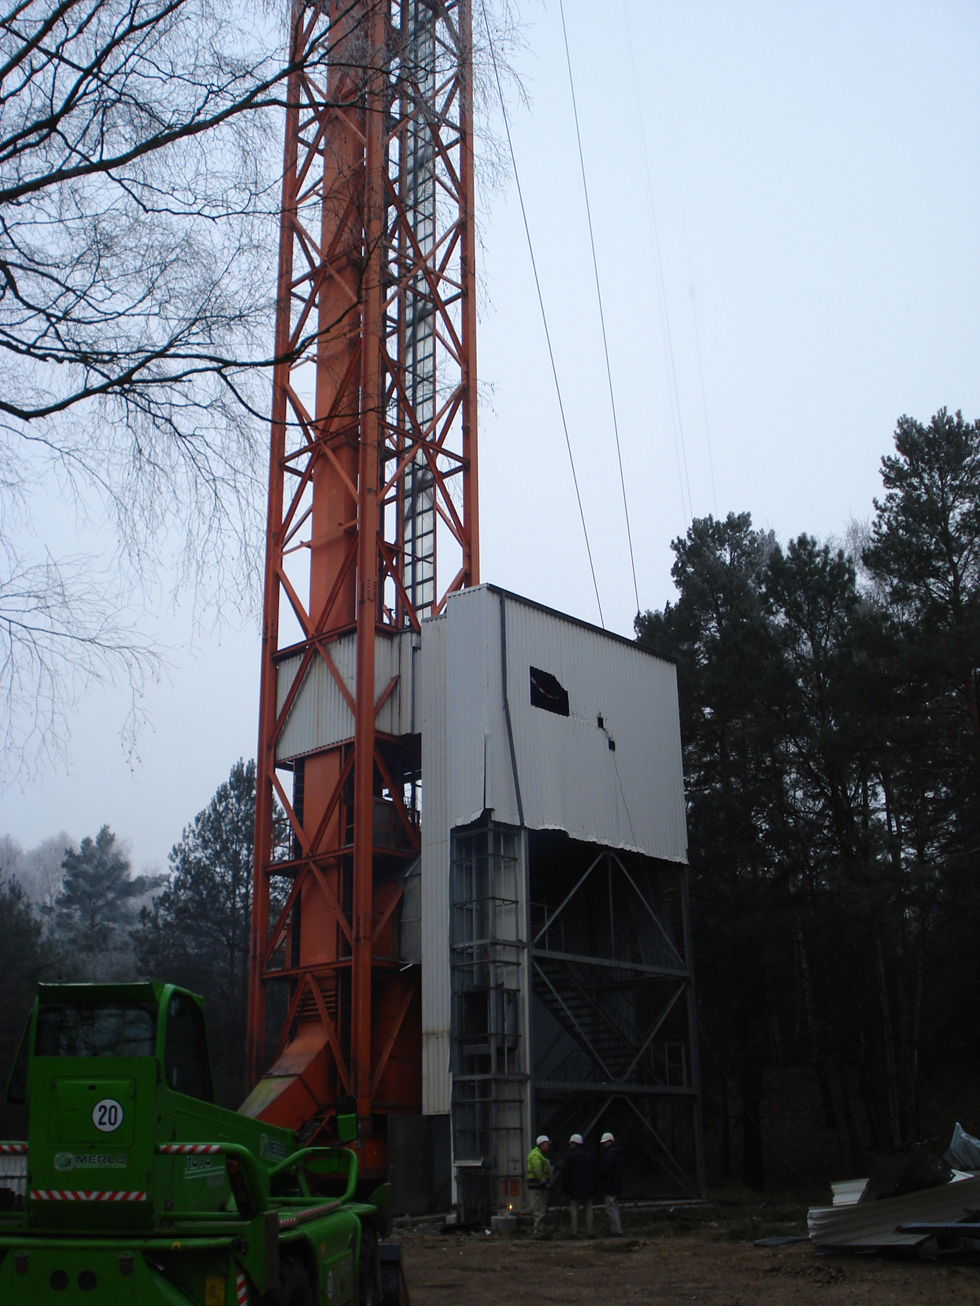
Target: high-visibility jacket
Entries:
(538, 1169)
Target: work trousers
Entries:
(612, 1210)
(583, 1205)
(540, 1197)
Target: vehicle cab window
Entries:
(96, 1029)
(185, 1055)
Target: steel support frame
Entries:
(488, 961)
(582, 1012)
(350, 429)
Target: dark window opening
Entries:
(475, 1014)
(97, 1030)
(548, 693)
(17, 1084)
(185, 1055)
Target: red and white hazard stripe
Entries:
(241, 1286)
(189, 1149)
(81, 1195)
(13, 1149)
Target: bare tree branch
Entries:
(140, 181)
(60, 637)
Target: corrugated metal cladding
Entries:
(13, 1174)
(320, 717)
(630, 796)
(570, 779)
(436, 1006)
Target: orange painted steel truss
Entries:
(372, 494)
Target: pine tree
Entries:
(26, 959)
(724, 642)
(197, 931)
(97, 909)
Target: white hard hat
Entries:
(577, 1138)
(607, 1138)
(541, 1138)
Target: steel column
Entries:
(353, 422)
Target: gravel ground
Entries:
(704, 1255)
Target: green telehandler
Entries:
(136, 1189)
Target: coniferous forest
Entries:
(831, 735)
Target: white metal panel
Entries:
(436, 1003)
(472, 688)
(873, 1224)
(320, 716)
(437, 1080)
(631, 797)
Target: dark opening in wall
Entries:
(547, 692)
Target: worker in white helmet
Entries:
(578, 1177)
(539, 1181)
(610, 1180)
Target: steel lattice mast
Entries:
(372, 523)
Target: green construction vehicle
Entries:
(137, 1189)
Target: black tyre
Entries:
(368, 1282)
(390, 1264)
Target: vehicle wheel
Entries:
(294, 1286)
(390, 1264)
(368, 1282)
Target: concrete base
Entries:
(505, 1223)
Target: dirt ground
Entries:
(703, 1255)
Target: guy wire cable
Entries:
(544, 317)
(598, 291)
(694, 311)
(697, 343)
(680, 447)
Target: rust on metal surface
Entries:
(372, 493)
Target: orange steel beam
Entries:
(372, 491)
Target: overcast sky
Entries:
(784, 199)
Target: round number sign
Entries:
(107, 1115)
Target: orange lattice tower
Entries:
(372, 523)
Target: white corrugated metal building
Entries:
(531, 722)
(553, 866)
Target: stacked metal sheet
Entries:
(857, 1225)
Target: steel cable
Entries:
(602, 318)
(544, 316)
